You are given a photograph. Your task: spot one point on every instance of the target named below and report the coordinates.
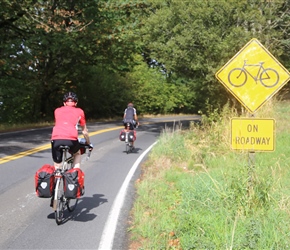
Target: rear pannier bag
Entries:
(74, 180)
(122, 135)
(131, 135)
(44, 181)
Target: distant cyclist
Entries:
(65, 131)
(130, 115)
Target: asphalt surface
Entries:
(27, 222)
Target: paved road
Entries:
(27, 222)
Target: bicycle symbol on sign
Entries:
(239, 76)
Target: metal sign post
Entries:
(251, 168)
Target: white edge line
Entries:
(108, 234)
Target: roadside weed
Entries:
(196, 193)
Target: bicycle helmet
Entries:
(70, 95)
(130, 104)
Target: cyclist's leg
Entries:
(133, 130)
(56, 153)
(75, 150)
(77, 159)
(134, 137)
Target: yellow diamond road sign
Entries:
(253, 75)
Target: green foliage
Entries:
(49, 47)
(172, 146)
(214, 199)
(105, 94)
(194, 39)
(153, 94)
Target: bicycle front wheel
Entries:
(72, 204)
(60, 202)
(269, 78)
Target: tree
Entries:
(153, 94)
(50, 43)
(194, 39)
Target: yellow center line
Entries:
(46, 146)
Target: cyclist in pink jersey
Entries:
(65, 131)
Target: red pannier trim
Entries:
(74, 180)
(44, 181)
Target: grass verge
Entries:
(196, 193)
(19, 127)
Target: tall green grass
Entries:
(5, 127)
(196, 193)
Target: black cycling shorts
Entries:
(132, 124)
(57, 153)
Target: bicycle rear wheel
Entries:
(60, 206)
(237, 77)
(72, 204)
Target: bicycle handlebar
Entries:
(90, 147)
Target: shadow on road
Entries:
(83, 210)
